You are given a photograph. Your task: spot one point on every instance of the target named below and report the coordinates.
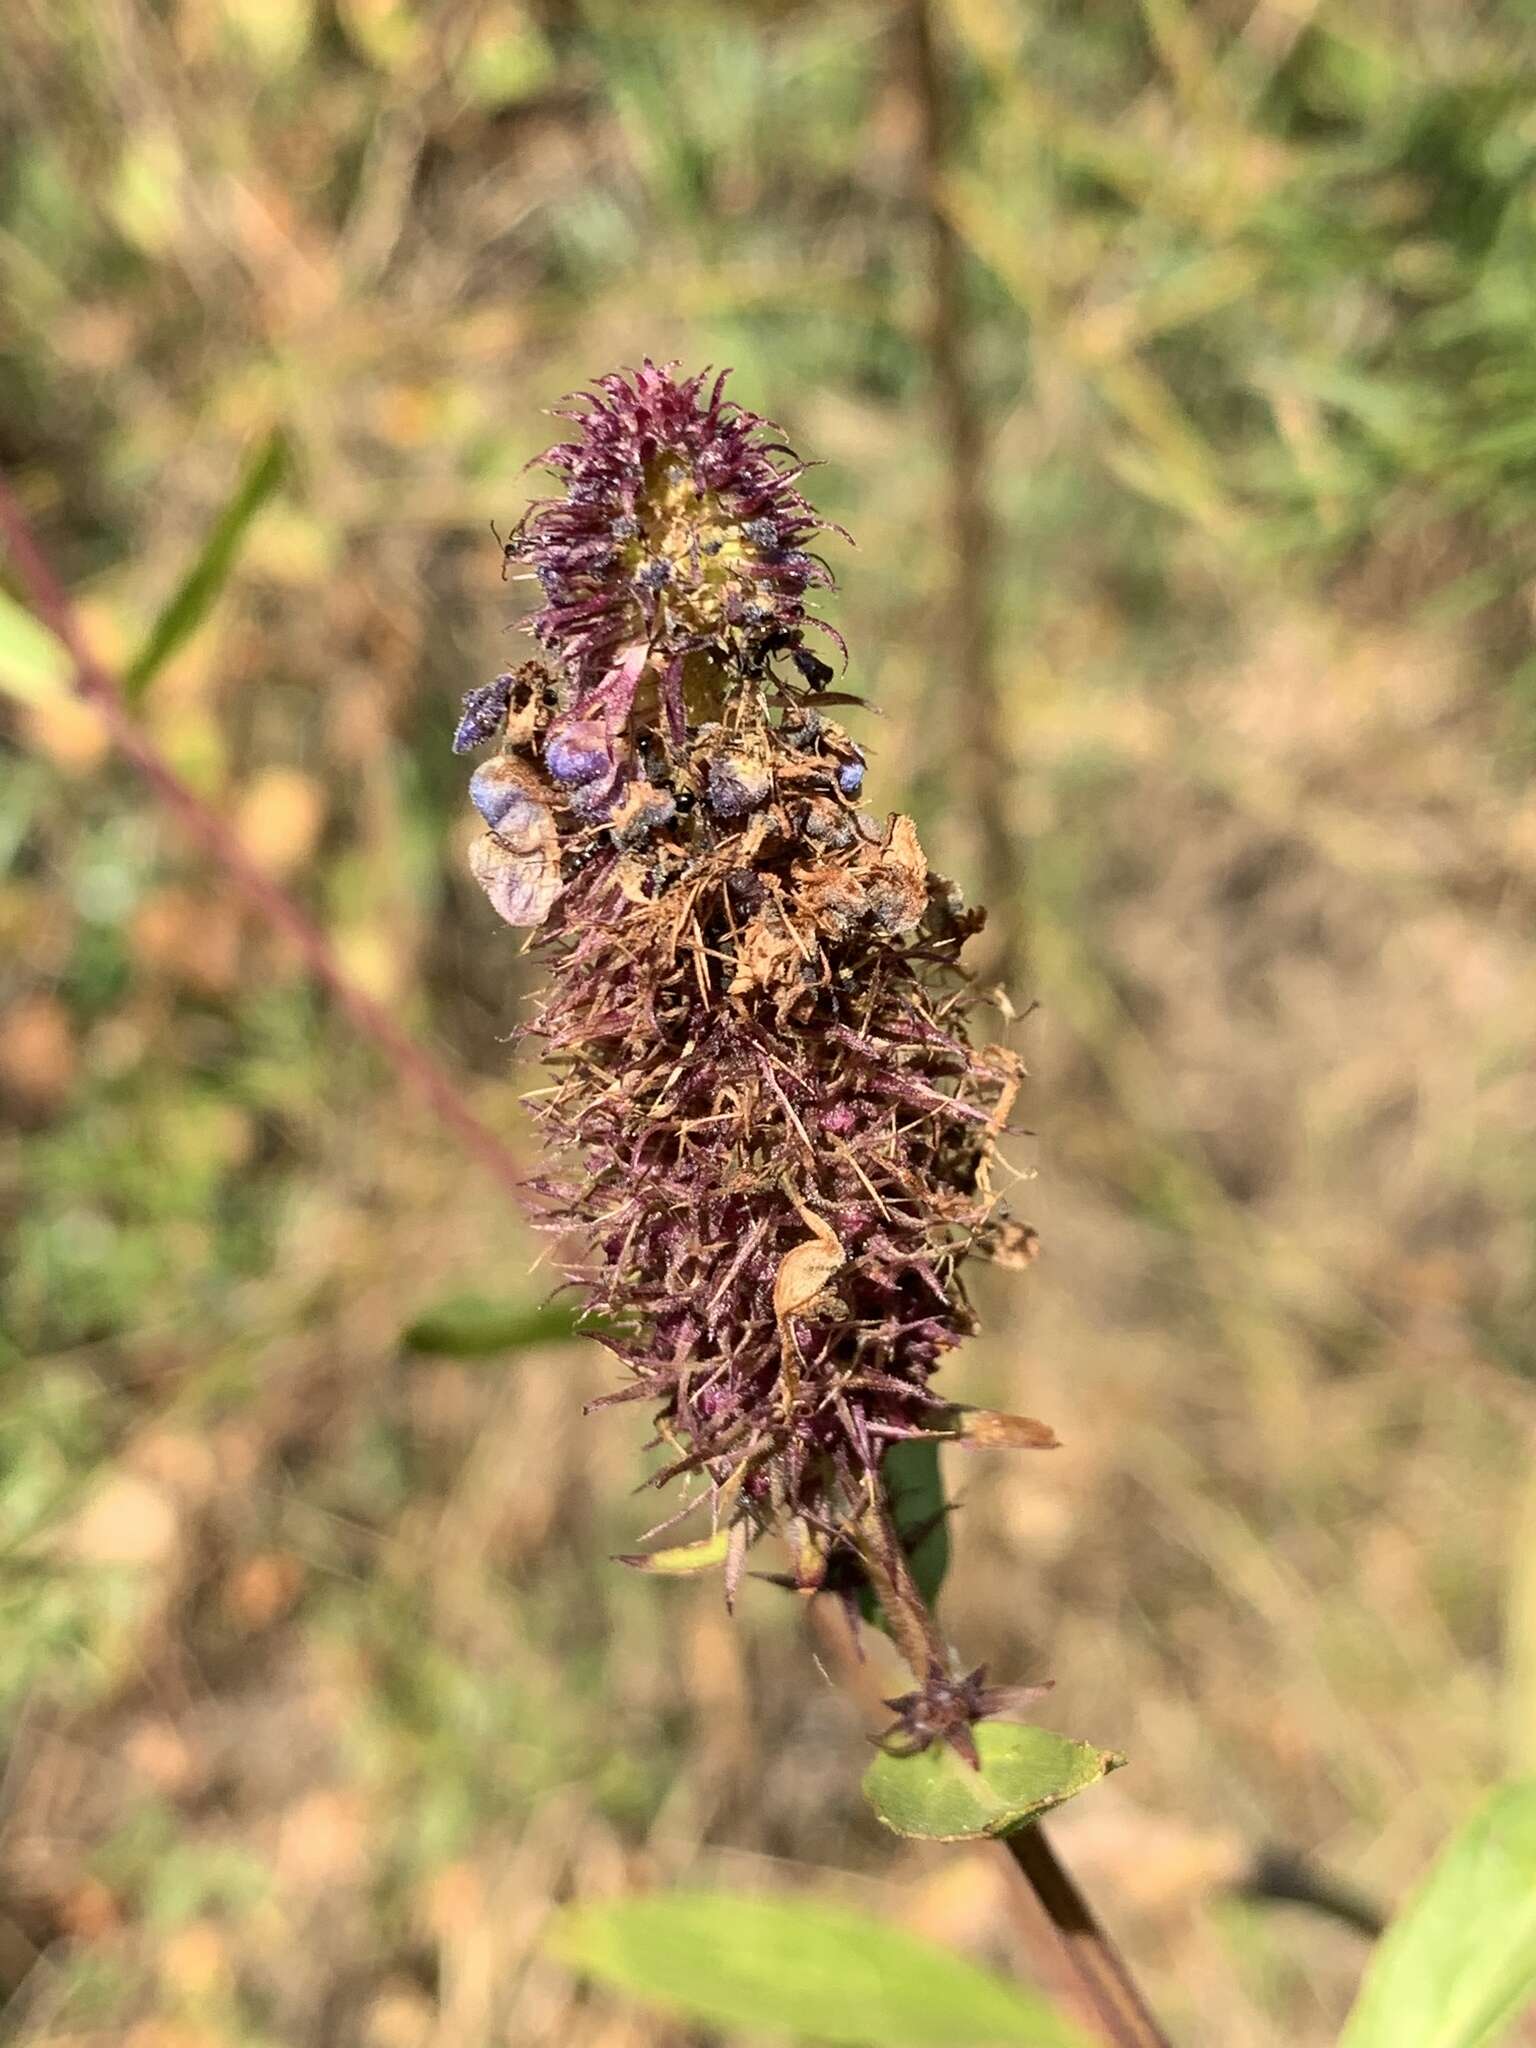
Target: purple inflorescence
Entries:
(680, 528)
(772, 1140)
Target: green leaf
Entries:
(915, 1487)
(1459, 1962)
(683, 1559)
(1025, 1771)
(475, 1326)
(199, 589)
(33, 664)
(803, 1967)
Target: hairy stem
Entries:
(914, 1630)
(96, 686)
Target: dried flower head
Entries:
(679, 531)
(773, 1140)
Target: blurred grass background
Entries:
(318, 1685)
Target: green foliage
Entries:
(33, 666)
(800, 1967)
(57, 1613)
(1458, 1965)
(134, 1197)
(198, 591)
(685, 1560)
(1025, 1771)
(477, 1326)
(148, 1859)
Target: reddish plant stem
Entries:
(1046, 1960)
(1108, 1987)
(96, 686)
(913, 1628)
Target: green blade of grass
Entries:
(476, 1326)
(198, 591)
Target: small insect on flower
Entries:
(516, 862)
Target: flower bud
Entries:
(484, 711)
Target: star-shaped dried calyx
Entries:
(945, 1709)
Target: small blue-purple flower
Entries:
(579, 752)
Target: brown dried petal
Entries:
(899, 886)
(831, 896)
(904, 850)
(991, 1429)
(526, 710)
(642, 810)
(518, 865)
(631, 876)
(804, 1271)
(766, 954)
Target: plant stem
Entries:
(1108, 1986)
(1107, 1990)
(96, 686)
(913, 1627)
(972, 529)
(1288, 1877)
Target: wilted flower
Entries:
(679, 533)
(770, 1129)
